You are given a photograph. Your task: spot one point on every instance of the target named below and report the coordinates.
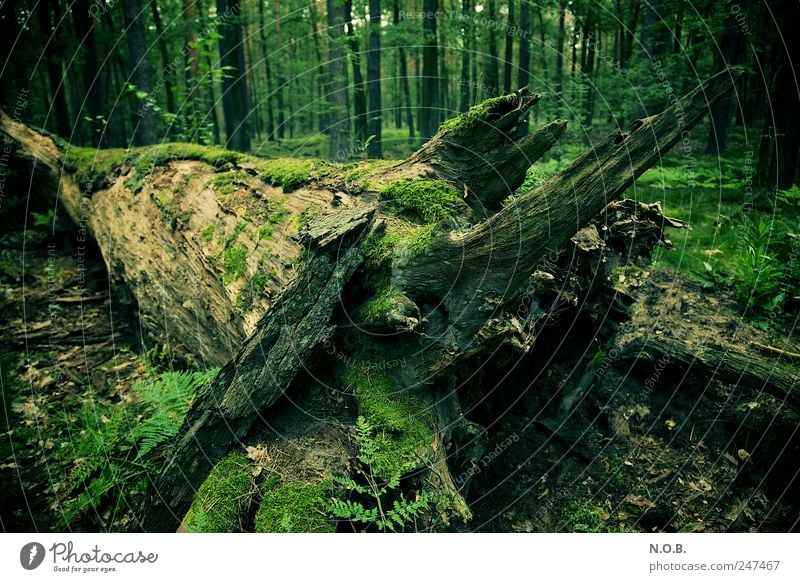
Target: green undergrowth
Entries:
(294, 506)
(429, 201)
(403, 426)
(224, 497)
(111, 449)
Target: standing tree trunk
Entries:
(509, 51)
(404, 83)
(359, 89)
(492, 69)
(465, 82)
(235, 99)
(145, 132)
(337, 82)
(524, 55)
(92, 96)
(167, 71)
(262, 31)
(559, 82)
(374, 80)
(52, 54)
(429, 108)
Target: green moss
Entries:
(379, 307)
(467, 121)
(208, 233)
(428, 200)
(290, 507)
(223, 498)
(397, 240)
(289, 173)
(403, 427)
(265, 231)
(585, 517)
(228, 183)
(234, 261)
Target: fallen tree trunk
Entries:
(422, 261)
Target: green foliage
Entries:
(428, 200)
(111, 447)
(756, 274)
(294, 506)
(224, 497)
(403, 427)
(379, 307)
(166, 402)
(585, 517)
(377, 490)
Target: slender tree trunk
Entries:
(406, 86)
(464, 83)
(267, 72)
(492, 69)
(524, 55)
(92, 96)
(559, 82)
(429, 109)
(374, 80)
(508, 55)
(166, 70)
(141, 74)
(360, 117)
(47, 11)
(235, 101)
(337, 74)
(279, 77)
(729, 53)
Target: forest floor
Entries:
(685, 456)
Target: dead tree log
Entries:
(420, 261)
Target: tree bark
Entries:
(359, 90)
(429, 108)
(339, 146)
(235, 99)
(374, 149)
(141, 75)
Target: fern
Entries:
(168, 400)
(403, 511)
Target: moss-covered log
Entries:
(389, 276)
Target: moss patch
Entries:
(223, 498)
(289, 173)
(95, 167)
(379, 307)
(234, 261)
(228, 183)
(288, 507)
(207, 234)
(428, 200)
(479, 113)
(403, 427)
